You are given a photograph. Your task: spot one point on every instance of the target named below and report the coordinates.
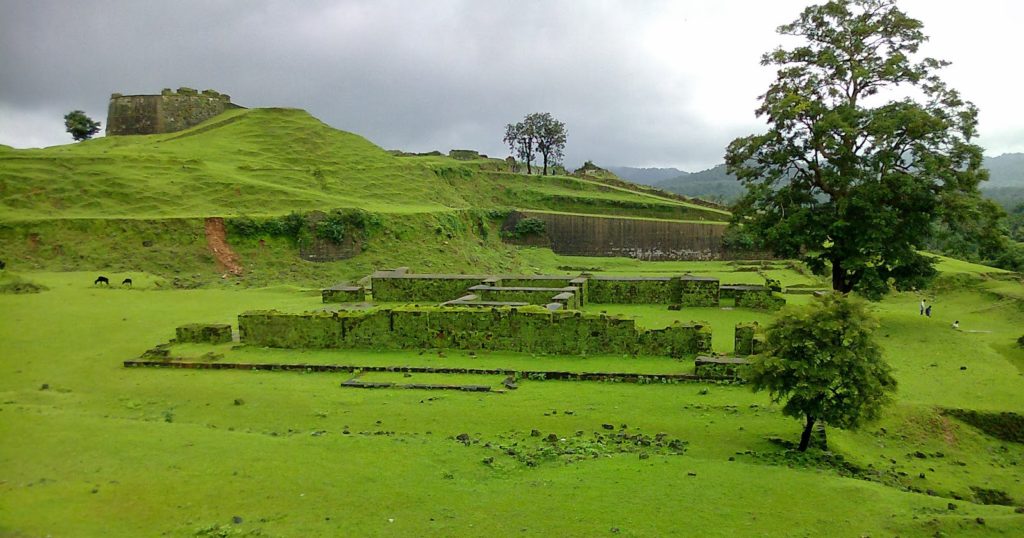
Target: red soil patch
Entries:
(216, 241)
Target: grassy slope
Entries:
(272, 161)
(116, 452)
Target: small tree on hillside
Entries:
(521, 140)
(80, 126)
(550, 137)
(823, 361)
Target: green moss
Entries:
(218, 333)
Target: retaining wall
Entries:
(588, 235)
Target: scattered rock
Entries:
(691, 474)
(237, 520)
(463, 437)
(963, 368)
(534, 433)
(45, 386)
(950, 506)
(552, 438)
(239, 401)
(979, 520)
(608, 426)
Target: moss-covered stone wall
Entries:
(217, 333)
(527, 329)
(530, 295)
(759, 299)
(698, 291)
(388, 287)
(343, 294)
(685, 290)
(633, 290)
(749, 339)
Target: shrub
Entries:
(529, 226)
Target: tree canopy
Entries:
(866, 148)
(823, 361)
(538, 133)
(80, 126)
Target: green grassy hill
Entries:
(137, 203)
(272, 161)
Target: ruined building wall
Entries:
(165, 113)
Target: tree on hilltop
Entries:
(80, 126)
(823, 361)
(853, 172)
(550, 135)
(538, 133)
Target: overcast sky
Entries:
(637, 83)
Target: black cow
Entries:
(101, 280)
(127, 282)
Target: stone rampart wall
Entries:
(165, 113)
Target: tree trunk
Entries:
(839, 281)
(805, 438)
(545, 164)
(529, 169)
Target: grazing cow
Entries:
(127, 282)
(101, 280)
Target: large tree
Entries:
(551, 135)
(865, 148)
(823, 361)
(80, 126)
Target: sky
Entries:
(637, 83)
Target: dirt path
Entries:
(216, 241)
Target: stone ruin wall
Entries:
(583, 235)
(168, 112)
(527, 329)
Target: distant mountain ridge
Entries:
(646, 176)
(1005, 184)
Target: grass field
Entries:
(92, 448)
(107, 451)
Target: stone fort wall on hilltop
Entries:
(167, 112)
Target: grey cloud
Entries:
(405, 74)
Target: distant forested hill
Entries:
(711, 184)
(1005, 184)
(1006, 180)
(646, 176)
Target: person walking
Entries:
(928, 311)
(923, 306)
